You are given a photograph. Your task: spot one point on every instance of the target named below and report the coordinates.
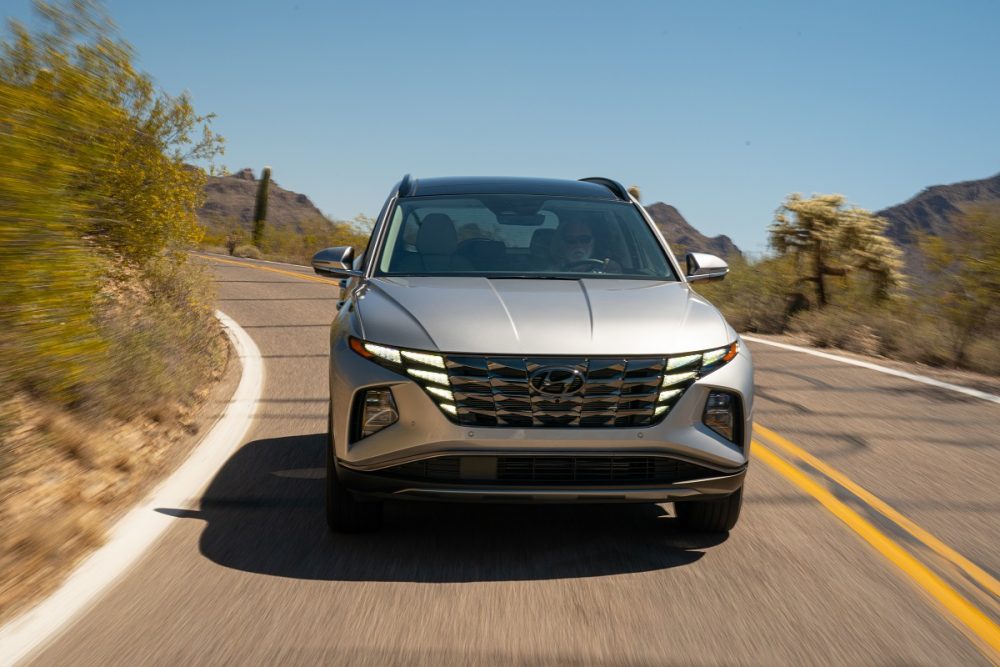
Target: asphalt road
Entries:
(253, 576)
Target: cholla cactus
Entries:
(260, 206)
(635, 192)
(830, 239)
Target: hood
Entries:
(539, 317)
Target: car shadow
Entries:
(264, 513)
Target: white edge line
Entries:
(968, 391)
(135, 532)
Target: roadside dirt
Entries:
(72, 478)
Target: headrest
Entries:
(437, 235)
(541, 239)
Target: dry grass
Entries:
(66, 475)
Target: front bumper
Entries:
(371, 484)
(423, 432)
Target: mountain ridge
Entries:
(682, 235)
(932, 210)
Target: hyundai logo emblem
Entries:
(556, 381)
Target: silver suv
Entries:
(530, 340)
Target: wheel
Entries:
(344, 512)
(710, 516)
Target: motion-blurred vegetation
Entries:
(97, 207)
(834, 279)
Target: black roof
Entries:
(488, 185)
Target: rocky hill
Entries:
(933, 211)
(231, 198)
(682, 237)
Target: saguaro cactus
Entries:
(260, 206)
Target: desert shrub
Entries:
(248, 251)
(753, 297)
(984, 355)
(96, 200)
(962, 290)
(161, 336)
(847, 329)
(299, 245)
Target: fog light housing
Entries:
(376, 411)
(722, 410)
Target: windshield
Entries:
(531, 236)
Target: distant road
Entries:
(869, 537)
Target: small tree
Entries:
(828, 239)
(964, 267)
(260, 207)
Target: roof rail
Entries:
(615, 187)
(405, 186)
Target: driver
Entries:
(573, 249)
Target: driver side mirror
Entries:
(336, 262)
(702, 266)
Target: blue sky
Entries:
(718, 108)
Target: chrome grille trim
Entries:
(620, 391)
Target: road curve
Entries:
(253, 576)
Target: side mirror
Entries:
(702, 266)
(336, 262)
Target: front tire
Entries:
(344, 512)
(710, 516)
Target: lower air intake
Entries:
(551, 470)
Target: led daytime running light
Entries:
(686, 360)
(430, 376)
(710, 358)
(441, 393)
(425, 359)
(390, 354)
(667, 395)
(723, 354)
(677, 378)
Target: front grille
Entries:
(495, 391)
(551, 470)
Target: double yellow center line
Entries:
(248, 265)
(969, 618)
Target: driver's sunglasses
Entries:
(577, 240)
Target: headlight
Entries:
(681, 370)
(425, 368)
(714, 359)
